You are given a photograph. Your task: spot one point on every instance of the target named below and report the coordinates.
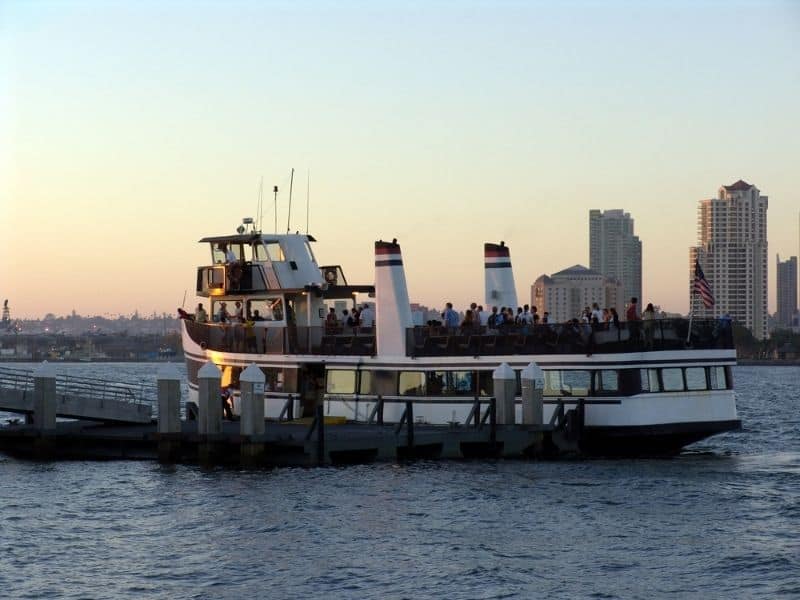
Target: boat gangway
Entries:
(83, 398)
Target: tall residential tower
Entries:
(614, 251)
(732, 250)
(787, 291)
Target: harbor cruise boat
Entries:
(644, 387)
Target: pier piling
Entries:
(209, 415)
(169, 413)
(532, 402)
(505, 390)
(251, 385)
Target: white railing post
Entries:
(209, 417)
(44, 397)
(169, 399)
(505, 389)
(532, 403)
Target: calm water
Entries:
(720, 521)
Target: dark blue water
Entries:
(721, 521)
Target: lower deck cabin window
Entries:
(606, 383)
(695, 378)
(567, 383)
(341, 382)
(672, 380)
(411, 383)
(716, 376)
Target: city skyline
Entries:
(444, 128)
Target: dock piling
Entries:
(505, 390)
(209, 419)
(209, 414)
(44, 398)
(532, 402)
(169, 413)
(251, 408)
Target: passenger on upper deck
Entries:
(239, 314)
(483, 317)
(331, 322)
(222, 314)
(449, 316)
(468, 324)
(200, 315)
(632, 314)
(367, 316)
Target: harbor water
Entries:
(722, 520)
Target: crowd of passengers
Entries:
(579, 329)
(506, 319)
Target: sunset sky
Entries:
(129, 130)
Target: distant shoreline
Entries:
(750, 362)
(744, 362)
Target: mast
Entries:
(289, 217)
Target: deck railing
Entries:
(238, 337)
(569, 338)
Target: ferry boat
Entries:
(643, 387)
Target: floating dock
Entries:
(123, 429)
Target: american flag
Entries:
(701, 286)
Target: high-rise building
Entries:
(732, 250)
(787, 291)
(615, 251)
(565, 294)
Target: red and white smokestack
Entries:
(499, 278)
(393, 309)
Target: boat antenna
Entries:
(275, 192)
(183, 304)
(260, 203)
(289, 216)
(308, 195)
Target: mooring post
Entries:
(320, 417)
(505, 390)
(44, 398)
(44, 409)
(209, 417)
(209, 410)
(251, 407)
(532, 404)
(169, 413)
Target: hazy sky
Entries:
(129, 130)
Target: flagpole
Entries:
(689, 332)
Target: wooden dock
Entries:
(281, 444)
(106, 430)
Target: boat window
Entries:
(673, 380)
(274, 251)
(365, 384)
(606, 382)
(265, 309)
(341, 382)
(259, 252)
(485, 383)
(717, 377)
(696, 378)
(649, 379)
(450, 383)
(217, 254)
(309, 251)
(567, 383)
(411, 383)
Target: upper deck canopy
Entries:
(249, 238)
